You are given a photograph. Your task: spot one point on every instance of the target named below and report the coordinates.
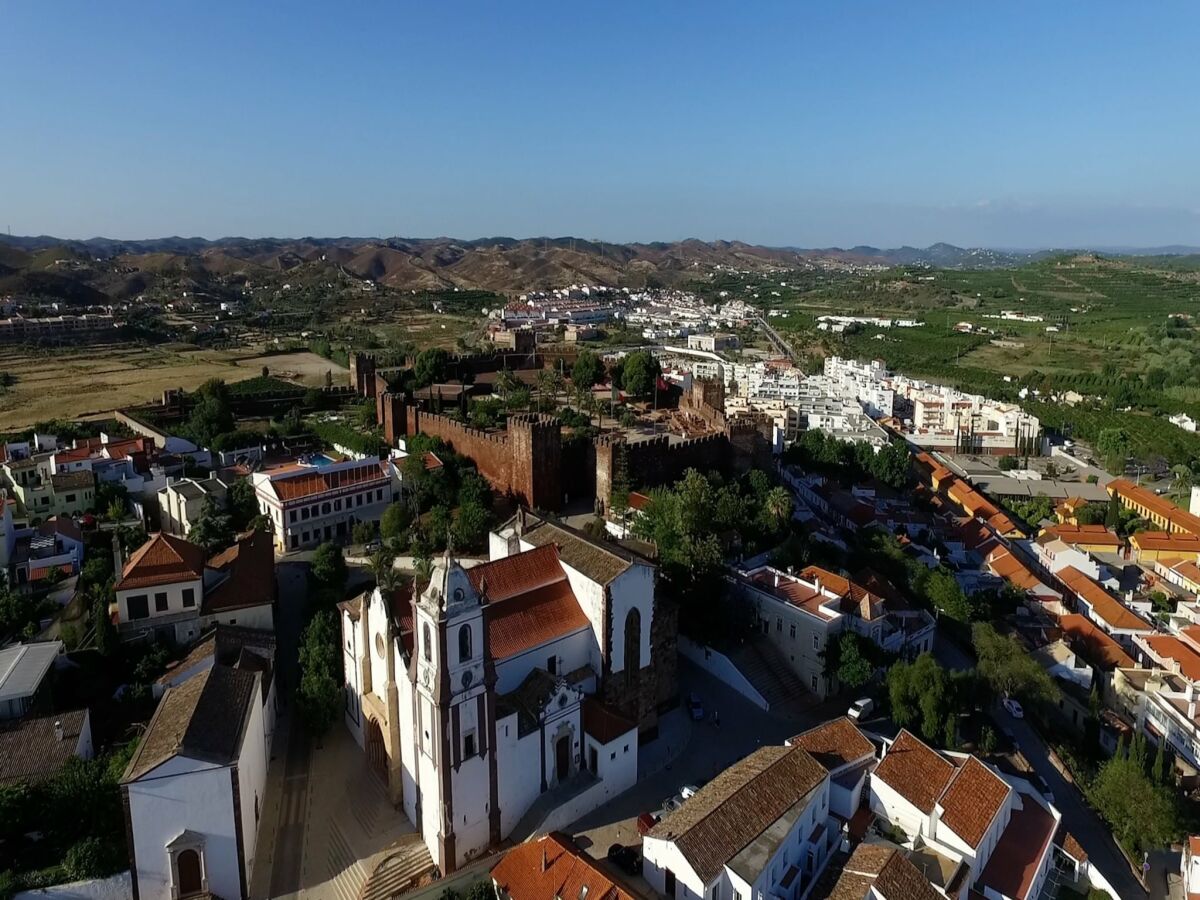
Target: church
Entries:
(512, 693)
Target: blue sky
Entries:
(1014, 124)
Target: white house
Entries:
(193, 790)
(312, 502)
(993, 832)
(525, 676)
(23, 671)
(762, 828)
(167, 587)
(180, 502)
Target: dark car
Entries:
(627, 859)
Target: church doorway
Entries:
(376, 751)
(190, 880)
(562, 758)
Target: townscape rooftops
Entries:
(30, 748)
(1168, 646)
(1180, 519)
(1093, 644)
(553, 868)
(1013, 865)
(972, 800)
(250, 569)
(1169, 542)
(163, 559)
(882, 871)
(304, 482)
(1107, 607)
(1094, 535)
(835, 744)
(204, 718)
(23, 666)
(1005, 564)
(915, 771)
(737, 806)
(518, 573)
(534, 618)
(598, 561)
(62, 526)
(68, 481)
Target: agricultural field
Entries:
(74, 383)
(302, 367)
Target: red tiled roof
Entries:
(603, 722)
(1171, 647)
(553, 868)
(532, 618)
(914, 771)
(638, 500)
(164, 559)
(1096, 535)
(972, 800)
(431, 461)
(60, 525)
(1102, 602)
(316, 481)
(1093, 644)
(1072, 847)
(835, 744)
(1180, 519)
(1014, 863)
(250, 565)
(1003, 563)
(1161, 541)
(516, 574)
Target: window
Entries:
(303, 512)
(358, 501)
(778, 624)
(468, 745)
(325, 507)
(792, 632)
(427, 641)
(379, 494)
(464, 643)
(816, 641)
(70, 498)
(139, 606)
(813, 681)
(552, 665)
(337, 505)
(160, 602)
(292, 516)
(296, 541)
(189, 597)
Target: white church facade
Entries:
(526, 677)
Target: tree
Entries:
(318, 695)
(430, 366)
(384, 569)
(1143, 815)
(107, 642)
(328, 568)
(1113, 445)
(588, 370)
(550, 384)
(1182, 478)
(1091, 514)
(211, 414)
(470, 525)
(919, 695)
(1008, 463)
(213, 528)
(777, 507)
(987, 740)
(848, 661)
(242, 504)
(944, 593)
(1008, 669)
(394, 522)
(639, 373)
(363, 532)
(1112, 516)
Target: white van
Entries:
(860, 709)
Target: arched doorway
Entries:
(377, 756)
(190, 880)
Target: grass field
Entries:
(70, 383)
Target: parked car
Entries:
(1013, 708)
(646, 821)
(860, 709)
(688, 791)
(695, 708)
(373, 546)
(671, 804)
(627, 859)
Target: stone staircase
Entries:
(398, 872)
(772, 676)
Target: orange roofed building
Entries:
(553, 868)
(491, 686)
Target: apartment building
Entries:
(309, 503)
(180, 502)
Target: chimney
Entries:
(58, 730)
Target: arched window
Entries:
(633, 647)
(427, 640)
(464, 643)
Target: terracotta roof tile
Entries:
(250, 569)
(972, 800)
(30, 749)
(1107, 607)
(315, 481)
(914, 771)
(552, 867)
(1180, 519)
(1011, 868)
(523, 622)
(164, 559)
(519, 573)
(733, 809)
(1162, 542)
(1172, 648)
(1095, 535)
(1093, 644)
(604, 723)
(835, 744)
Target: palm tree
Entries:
(778, 505)
(1184, 478)
(384, 570)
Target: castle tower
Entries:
(535, 442)
(459, 813)
(362, 374)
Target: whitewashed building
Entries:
(523, 678)
(193, 790)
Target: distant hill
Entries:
(91, 270)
